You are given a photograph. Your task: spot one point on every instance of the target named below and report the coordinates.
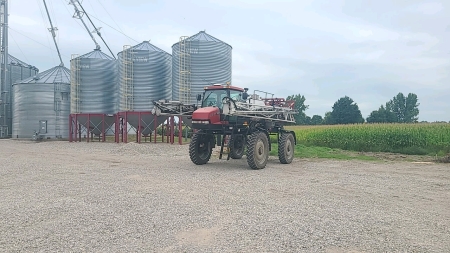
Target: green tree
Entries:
(405, 108)
(307, 120)
(327, 119)
(300, 118)
(316, 120)
(346, 111)
(382, 116)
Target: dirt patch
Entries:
(445, 159)
(399, 157)
(201, 237)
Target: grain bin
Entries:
(42, 104)
(17, 70)
(93, 83)
(145, 75)
(198, 61)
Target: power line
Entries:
(24, 56)
(119, 31)
(93, 9)
(52, 30)
(68, 11)
(54, 16)
(43, 22)
(113, 28)
(53, 13)
(96, 29)
(52, 49)
(111, 17)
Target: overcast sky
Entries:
(324, 50)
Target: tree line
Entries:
(400, 109)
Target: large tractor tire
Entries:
(286, 148)
(200, 148)
(237, 146)
(257, 150)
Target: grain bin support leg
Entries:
(168, 130)
(139, 131)
(76, 128)
(125, 128)
(172, 130)
(121, 129)
(79, 132)
(180, 131)
(70, 128)
(88, 127)
(103, 128)
(162, 131)
(116, 129)
(155, 121)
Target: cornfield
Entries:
(426, 138)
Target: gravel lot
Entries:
(107, 197)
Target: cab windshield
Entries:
(214, 97)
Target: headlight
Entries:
(200, 122)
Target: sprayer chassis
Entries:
(243, 133)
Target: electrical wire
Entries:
(50, 48)
(113, 28)
(110, 17)
(68, 11)
(93, 9)
(24, 56)
(119, 31)
(43, 19)
(52, 13)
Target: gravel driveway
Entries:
(107, 197)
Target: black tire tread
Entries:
(193, 154)
(233, 153)
(251, 142)
(281, 147)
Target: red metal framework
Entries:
(88, 125)
(146, 124)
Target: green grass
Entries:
(302, 151)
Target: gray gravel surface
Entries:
(107, 197)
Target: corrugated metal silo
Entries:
(93, 83)
(198, 61)
(42, 102)
(17, 71)
(145, 75)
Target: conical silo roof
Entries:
(14, 61)
(203, 36)
(58, 74)
(146, 46)
(96, 54)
